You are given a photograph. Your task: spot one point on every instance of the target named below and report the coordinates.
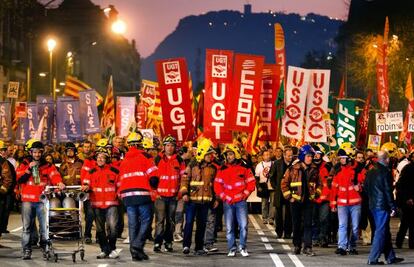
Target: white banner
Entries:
(411, 122)
(317, 106)
(388, 122)
(125, 114)
(296, 90)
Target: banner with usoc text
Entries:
(175, 98)
(247, 83)
(218, 81)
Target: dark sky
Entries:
(150, 21)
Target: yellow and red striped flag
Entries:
(73, 86)
(253, 141)
(108, 113)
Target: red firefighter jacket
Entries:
(103, 186)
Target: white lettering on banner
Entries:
(265, 106)
(218, 112)
(245, 104)
(317, 105)
(69, 108)
(45, 125)
(297, 87)
(345, 130)
(90, 115)
(32, 129)
(177, 115)
(125, 118)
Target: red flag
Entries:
(342, 88)
(268, 97)
(218, 81)
(175, 98)
(247, 85)
(363, 122)
(280, 52)
(405, 134)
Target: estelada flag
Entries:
(175, 98)
(247, 83)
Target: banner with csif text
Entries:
(175, 98)
(218, 81)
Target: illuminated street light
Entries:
(62, 83)
(119, 27)
(51, 44)
(42, 74)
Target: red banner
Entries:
(267, 107)
(280, 52)
(246, 87)
(363, 123)
(175, 98)
(317, 106)
(218, 79)
(141, 115)
(382, 75)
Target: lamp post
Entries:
(51, 44)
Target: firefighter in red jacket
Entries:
(89, 163)
(34, 174)
(170, 169)
(233, 185)
(346, 199)
(102, 186)
(138, 177)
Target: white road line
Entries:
(265, 239)
(280, 240)
(254, 222)
(17, 229)
(277, 261)
(268, 246)
(102, 265)
(260, 232)
(295, 260)
(285, 247)
(270, 227)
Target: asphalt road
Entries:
(264, 247)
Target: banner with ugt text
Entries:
(267, 108)
(297, 85)
(68, 120)
(175, 98)
(247, 84)
(317, 106)
(5, 121)
(218, 81)
(89, 112)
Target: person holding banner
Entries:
(170, 169)
(33, 175)
(233, 185)
(138, 178)
(299, 186)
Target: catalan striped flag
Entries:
(252, 145)
(108, 113)
(22, 98)
(73, 86)
(154, 110)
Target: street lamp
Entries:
(51, 44)
(119, 27)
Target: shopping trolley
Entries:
(64, 223)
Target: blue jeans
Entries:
(29, 212)
(164, 219)
(139, 220)
(193, 210)
(239, 211)
(382, 237)
(107, 216)
(344, 212)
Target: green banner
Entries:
(346, 127)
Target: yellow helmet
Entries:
(103, 142)
(147, 143)
(391, 148)
(134, 138)
(204, 148)
(2, 145)
(349, 149)
(30, 142)
(233, 148)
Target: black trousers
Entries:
(302, 223)
(283, 219)
(407, 223)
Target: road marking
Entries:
(280, 240)
(17, 229)
(295, 260)
(285, 247)
(260, 232)
(268, 246)
(270, 227)
(254, 222)
(277, 261)
(265, 239)
(102, 265)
